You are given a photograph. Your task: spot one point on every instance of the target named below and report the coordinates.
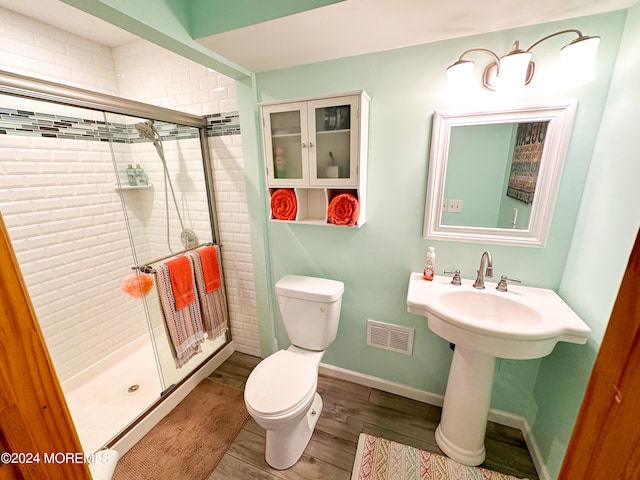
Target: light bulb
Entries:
(513, 71)
(460, 75)
(578, 59)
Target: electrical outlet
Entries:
(454, 206)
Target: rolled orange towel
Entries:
(344, 209)
(284, 205)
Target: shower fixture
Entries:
(146, 130)
(188, 237)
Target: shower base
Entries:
(105, 399)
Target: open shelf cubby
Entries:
(313, 204)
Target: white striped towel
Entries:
(184, 326)
(215, 315)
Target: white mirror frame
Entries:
(559, 113)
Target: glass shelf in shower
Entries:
(125, 187)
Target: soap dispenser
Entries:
(131, 175)
(430, 265)
(141, 176)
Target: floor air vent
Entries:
(389, 337)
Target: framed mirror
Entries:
(494, 174)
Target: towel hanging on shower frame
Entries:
(177, 291)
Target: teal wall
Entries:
(605, 230)
(375, 261)
(479, 158)
(208, 18)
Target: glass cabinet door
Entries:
(333, 129)
(286, 144)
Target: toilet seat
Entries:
(281, 383)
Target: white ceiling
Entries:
(361, 26)
(343, 29)
(70, 19)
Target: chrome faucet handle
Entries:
(502, 284)
(456, 276)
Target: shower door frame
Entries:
(36, 89)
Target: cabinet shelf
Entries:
(285, 135)
(325, 132)
(313, 206)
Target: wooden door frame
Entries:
(605, 443)
(34, 418)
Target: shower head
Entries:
(146, 129)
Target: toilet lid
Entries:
(280, 383)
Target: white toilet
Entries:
(280, 393)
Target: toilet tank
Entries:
(310, 309)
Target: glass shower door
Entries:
(167, 210)
(70, 236)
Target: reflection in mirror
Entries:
(481, 155)
(493, 175)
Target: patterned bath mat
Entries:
(381, 459)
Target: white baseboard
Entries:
(534, 450)
(497, 416)
(519, 422)
(133, 436)
(382, 384)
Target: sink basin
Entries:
(490, 309)
(523, 323)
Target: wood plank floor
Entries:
(350, 409)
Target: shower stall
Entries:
(79, 227)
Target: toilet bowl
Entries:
(280, 393)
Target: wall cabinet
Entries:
(317, 148)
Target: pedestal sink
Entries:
(523, 323)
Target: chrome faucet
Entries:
(484, 260)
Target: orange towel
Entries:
(210, 268)
(181, 277)
(284, 205)
(344, 209)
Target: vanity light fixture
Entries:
(515, 69)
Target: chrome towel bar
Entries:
(147, 268)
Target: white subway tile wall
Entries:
(57, 195)
(148, 73)
(38, 50)
(68, 230)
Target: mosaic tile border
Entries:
(223, 124)
(36, 124)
